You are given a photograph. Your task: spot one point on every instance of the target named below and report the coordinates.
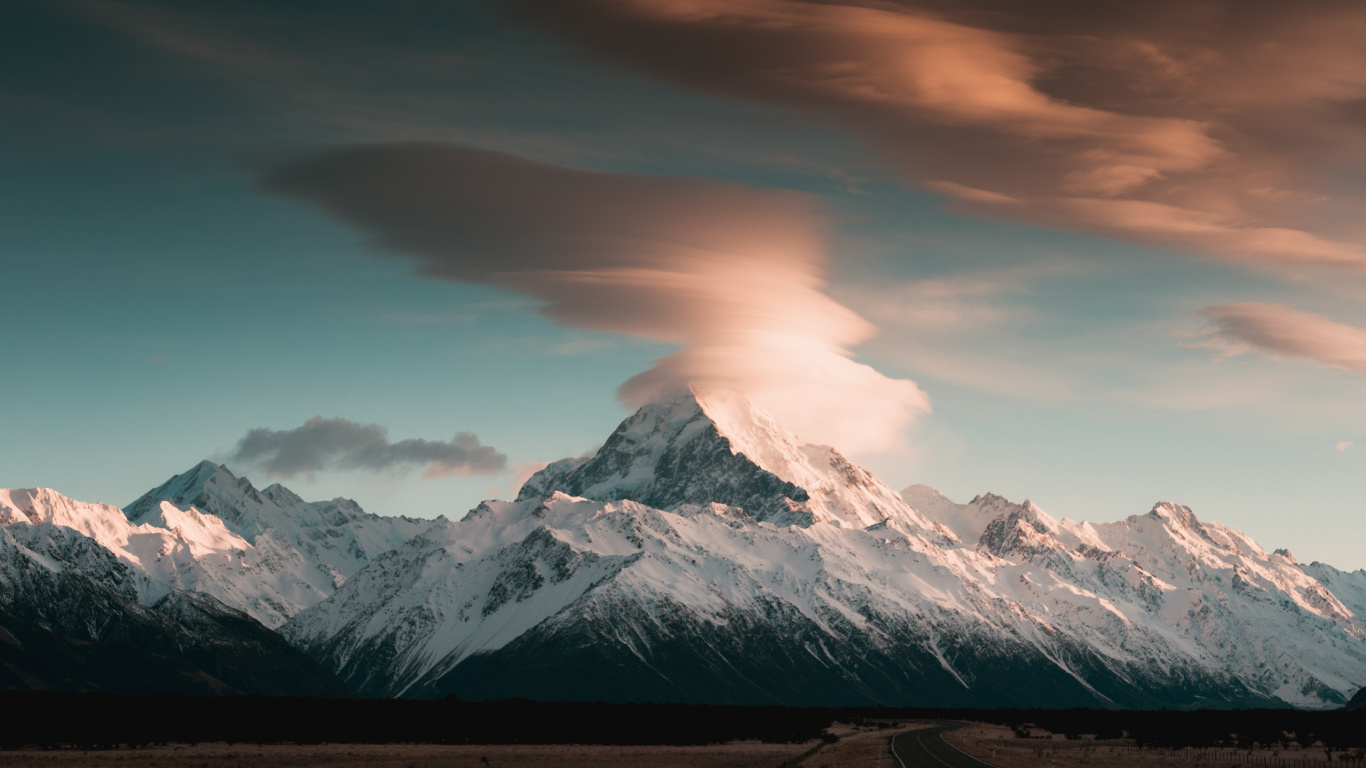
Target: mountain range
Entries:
(702, 554)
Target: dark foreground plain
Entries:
(867, 744)
(1000, 746)
(152, 726)
(858, 745)
(219, 755)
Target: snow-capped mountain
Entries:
(267, 553)
(705, 554)
(174, 549)
(695, 449)
(702, 554)
(1156, 588)
(275, 554)
(1347, 586)
(98, 599)
(74, 616)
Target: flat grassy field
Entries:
(857, 748)
(997, 745)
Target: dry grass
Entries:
(998, 745)
(857, 748)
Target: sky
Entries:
(1096, 255)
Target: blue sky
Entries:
(159, 303)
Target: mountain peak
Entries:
(693, 447)
(668, 453)
(282, 495)
(206, 468)
(1177, 513)
(210, 487)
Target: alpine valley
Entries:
(703, 554)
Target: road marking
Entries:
(894, 754)
(961, 752)
(921, 741)
(919, 738)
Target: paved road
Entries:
(926, 748)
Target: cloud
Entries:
(1343, 445)
(1231, 130)
(733, 275)
(1279, 329)
(521, 472)
(339, 444)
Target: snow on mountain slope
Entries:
(705, 554)
(72, 617)
(171, 551)
(1347, 586)
(276, 556)
(691, 448)
(356, 534)
(965, 521)
(467, 590)
(296, 552)
(1210, 593)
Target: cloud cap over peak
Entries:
(343, 445)
(734, 275)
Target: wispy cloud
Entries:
(1170, 123)
(1279, 329)
(1343, 445)
(1223, 131)
(734, 275)
(339, 444)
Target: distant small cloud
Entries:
(339, 444)
(1343, 445)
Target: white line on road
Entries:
(964, 754)
(894, 754)
(919, 738)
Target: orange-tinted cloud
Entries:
(1231, 129)
(1282, 330)
(734, 275)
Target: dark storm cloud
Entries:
(338, 444)
(1223, 128)
(735, 275)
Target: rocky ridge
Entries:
(703, 554)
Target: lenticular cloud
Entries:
(732, 274)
